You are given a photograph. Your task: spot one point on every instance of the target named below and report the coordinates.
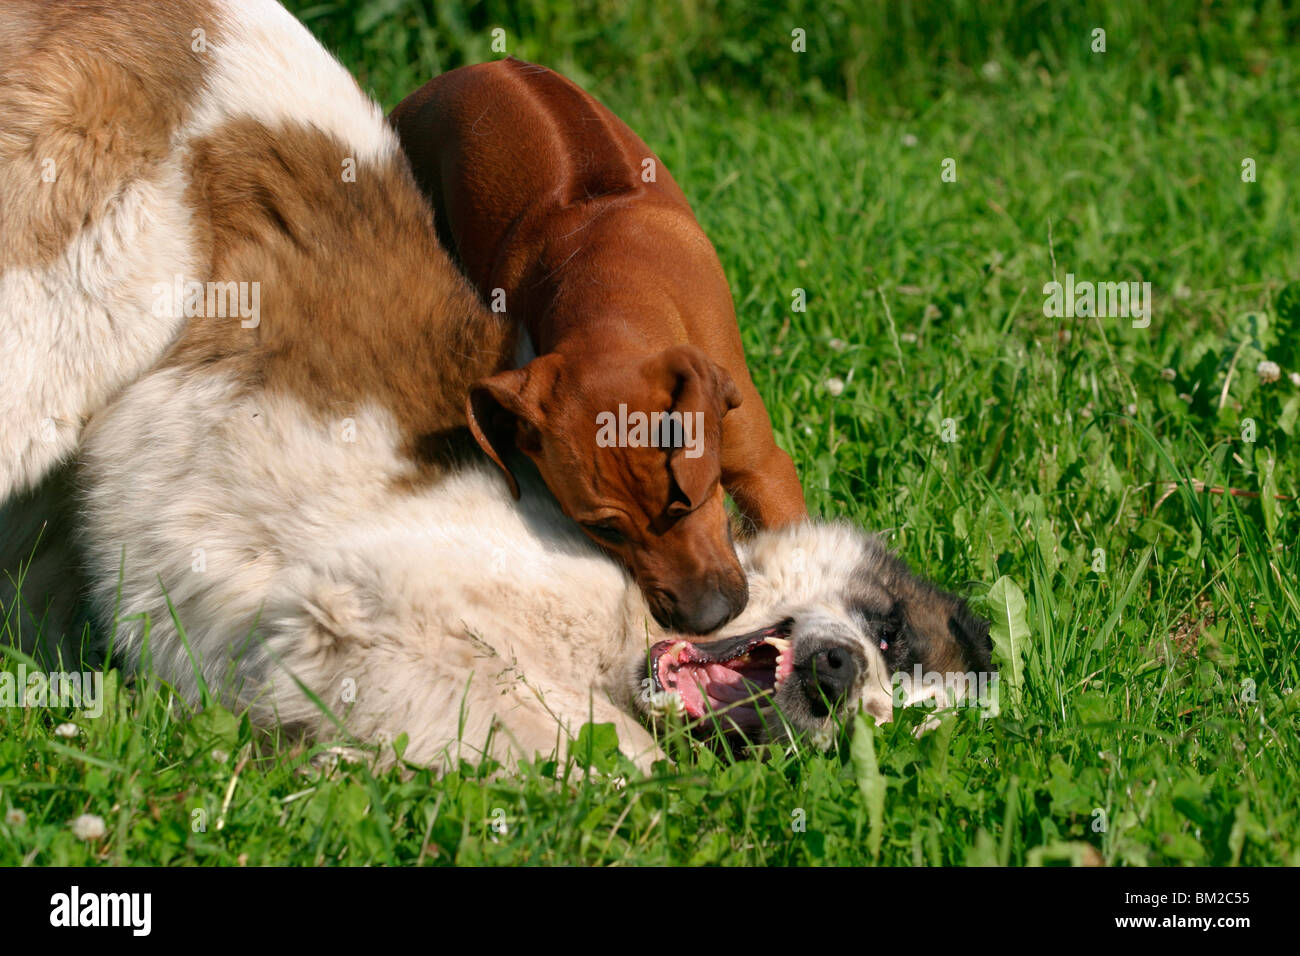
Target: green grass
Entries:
(1158, 722)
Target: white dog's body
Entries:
(214, 145)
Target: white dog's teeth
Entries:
(780, 643)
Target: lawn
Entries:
(1134, 483)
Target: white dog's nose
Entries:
(829, 673)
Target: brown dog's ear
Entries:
(505, 409)
(696, 378)
(696, 384)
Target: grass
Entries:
(1157, 722)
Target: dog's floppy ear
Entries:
(697, 384)
(972, 634)
(505, 409)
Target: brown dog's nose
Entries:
(700, 610)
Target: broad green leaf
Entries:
(1010, 634)
(596, 746)
(870, 780)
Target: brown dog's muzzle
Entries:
(699, 606)
(692, 579)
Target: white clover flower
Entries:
(661, 703)
(1168, 374)
(838, 345)
(1295, 378)
(1268, 371)
(992, 70)
(219, 756)
(835, 386)
(909, 140)
(66, 730)
(15, 818)
(823, 738)
(88, 827)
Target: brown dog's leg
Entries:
(767, 490)
(758, 475)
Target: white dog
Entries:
(220, 283)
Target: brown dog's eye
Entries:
(606, 533)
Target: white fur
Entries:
(74, 332)
(268, 67)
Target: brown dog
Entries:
(564, 218)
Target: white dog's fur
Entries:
(107, 106)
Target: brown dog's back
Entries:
(527, 173)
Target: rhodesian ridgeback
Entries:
(638, 409)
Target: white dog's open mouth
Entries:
(732, 677)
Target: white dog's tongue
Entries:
(708, 685)
(692, 694)
(716, 685)
(725, 686)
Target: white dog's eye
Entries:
(887, 635)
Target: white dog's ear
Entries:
(972, 635)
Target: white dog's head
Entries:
(832, 617)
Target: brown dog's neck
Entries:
(604, 329)
(645, 310)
